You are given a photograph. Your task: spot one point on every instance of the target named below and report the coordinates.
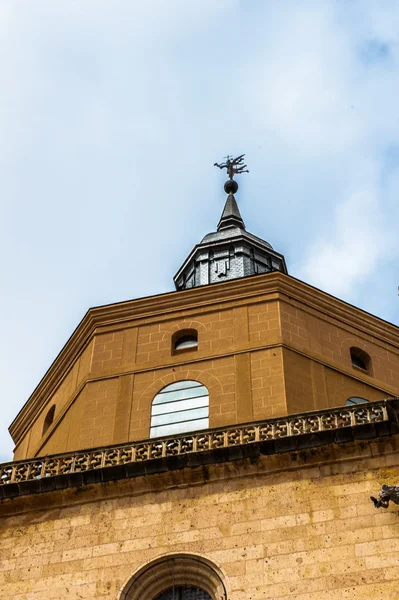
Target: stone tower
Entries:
(220, 441)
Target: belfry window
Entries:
(49, 419)
(360, 359)
(180, 407)
(185, 339)
(184, 592)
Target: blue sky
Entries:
(112, 115)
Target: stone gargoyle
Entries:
(388, 493)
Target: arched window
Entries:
(176, 577)
(49, 419)
(185, 339)
(360, 359)
(184, 592)
(355, 400)
(180, 407)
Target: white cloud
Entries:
(337, 114)
(349, 250)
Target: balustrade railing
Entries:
(199, 441)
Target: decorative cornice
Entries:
(252, 289)
(275, 435)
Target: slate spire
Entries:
(231, 216)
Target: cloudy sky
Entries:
(112, 115)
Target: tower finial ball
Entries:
(231, 186)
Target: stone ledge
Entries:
(213, 446)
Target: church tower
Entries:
(218, 441)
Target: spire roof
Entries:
(231, 216)
(231, 252)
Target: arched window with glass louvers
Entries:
(180, 407)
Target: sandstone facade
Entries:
(287, 521)
(294, 525)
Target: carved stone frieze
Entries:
(199, 441)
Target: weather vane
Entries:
(233, 166)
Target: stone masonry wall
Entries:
(289, 526)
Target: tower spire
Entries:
(231, 252)
(231, 216)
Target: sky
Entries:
(112, 115)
